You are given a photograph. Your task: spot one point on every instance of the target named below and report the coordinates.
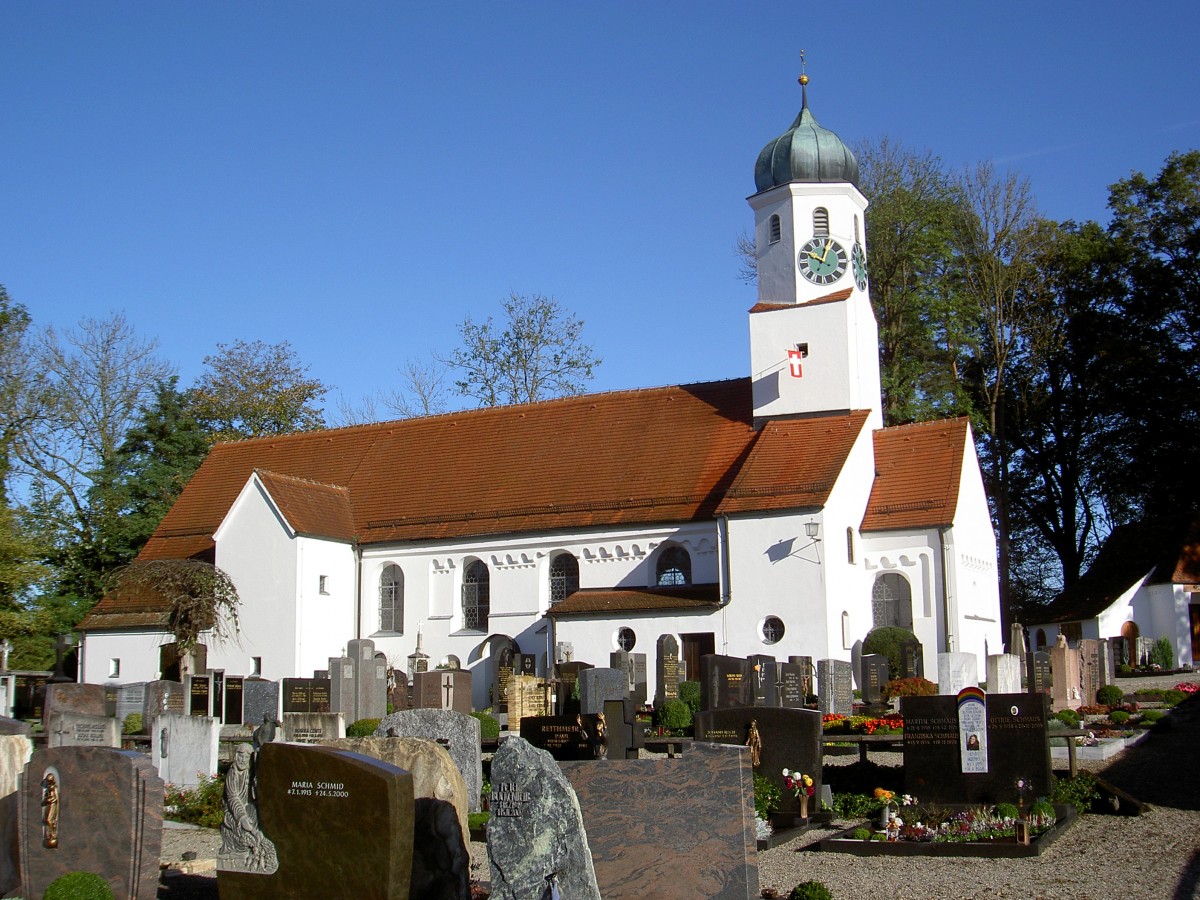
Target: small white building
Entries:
(766, 514)
(1144, 583)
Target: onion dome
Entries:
(805, 152)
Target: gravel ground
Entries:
(1156, 855)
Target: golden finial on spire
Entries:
(803, 79)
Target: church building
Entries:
(767, 514)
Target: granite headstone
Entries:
(185, 749)
(596, 686)
(834, 693)
(458, 733)
(313, 728)
(957, 671)
(666, 670)
(66, 729)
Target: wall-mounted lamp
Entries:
(812, 529)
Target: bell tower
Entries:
(813, 337)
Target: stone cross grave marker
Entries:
(91, 809)
(693, 817)
(536, 842)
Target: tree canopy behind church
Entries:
(536, 352)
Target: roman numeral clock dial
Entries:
(822, 260)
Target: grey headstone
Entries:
(957, 671)
(834, 694)
(596, 686)
(1004, 674)
(313, 728)
(131, 699)
(537, 846)
(75, 730)
(184, 748)
(84, 699)
(162, 697)
(458, 733)
(856, 653)
(370, 674)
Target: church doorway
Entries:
(695, 646)
(1194, 618)
(1129, 636)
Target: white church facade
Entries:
(769, 514)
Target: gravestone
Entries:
(625, 736)
(67, 729)
(582, 736)
(1019, 648)
(1066, 689)
(199, 694)
(313, 728)
(872, 677)
(233, 709)
(1017, 750)
(639, 691)
(458, 733)
(834, 693)
(110, 699)
(308, 793)
(185, 749)
(358, 682)
(723, 682)
(597, 686)
(84, 699)
(912, 659)
(567, 673)
(798, 676)
(1095, 668)
(15, 751)
(666, 670)
(505, 653)
(856, 653)
(29, 694)
(1004, 674)
(441, 864)
(1141, 650)
(443, 689)
(163, 697)
(398, 690)
(762, 675)
(957, 671)
(91, 809)
(785, 739)
(307, 695)
(15, 726)
(131, 700)
(1040, 678)
(260, 697)
(1118, 651)
(693, 817)
(536, 842)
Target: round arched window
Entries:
(772, 630)
(626, 639)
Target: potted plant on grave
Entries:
(803, 787)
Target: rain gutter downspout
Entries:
(951, 637)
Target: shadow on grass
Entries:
(1161, 769)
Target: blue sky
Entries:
(356, 178)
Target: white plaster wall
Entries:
(913, 555)
(826, 380)
(1122, 610)
(257, 550)
(324, 621)
(138, 652)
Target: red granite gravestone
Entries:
(91, 809)
(309, 796)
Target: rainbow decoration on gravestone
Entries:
(972, 729)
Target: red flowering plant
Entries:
(1188, 687)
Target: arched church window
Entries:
(820, 222)
(476, 596)
(391, 599)
(776, 230)
(850, 546)
(891, 601)
(674, 567)
(564, 577)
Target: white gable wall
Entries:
(325, 621)
(136, 649)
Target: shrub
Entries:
(477, 820)
(887, 641)
(689, 693)
(1173, 697)
(1068, 717)
(1149, 693)
(132, 724)
(810, 890)
(1150, 716)
(1110, 695)
(854, 806)
(674, 715)
(1043, 808)
(489, 726)
(202, 805)
(1007, 811)
(362, 728)
(1124, 669)
(1162, 654)
(1080, 791)
(78, 886)
(909, 687)
(766, 796)
(861, 834)
(1119, 717)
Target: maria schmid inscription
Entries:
(508, 800)
(334, 789)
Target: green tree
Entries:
(539, 354)
(254, 389)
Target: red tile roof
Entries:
(835, 297)
(311, 508)
(689, 598)
(918, 470)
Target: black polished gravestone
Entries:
(234, 694)
(723, 682)
(307, 695)
(567, 673)
(796, 680)
(666, 670)
(762, 673)
(198, 695)
(1040, 681)
(625, 735)
(568, 737)
(1017, 750)
(308, 793)
(873, 675)
(786, 739)
(912, 659)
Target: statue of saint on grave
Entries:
(244, 848)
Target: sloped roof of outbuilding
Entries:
(1161, 551)
(918, 472)
(597, 602)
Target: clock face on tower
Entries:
(822, 260)
(858, 256)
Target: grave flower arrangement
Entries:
(975, 823)
(801, 785)
(834, 723)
